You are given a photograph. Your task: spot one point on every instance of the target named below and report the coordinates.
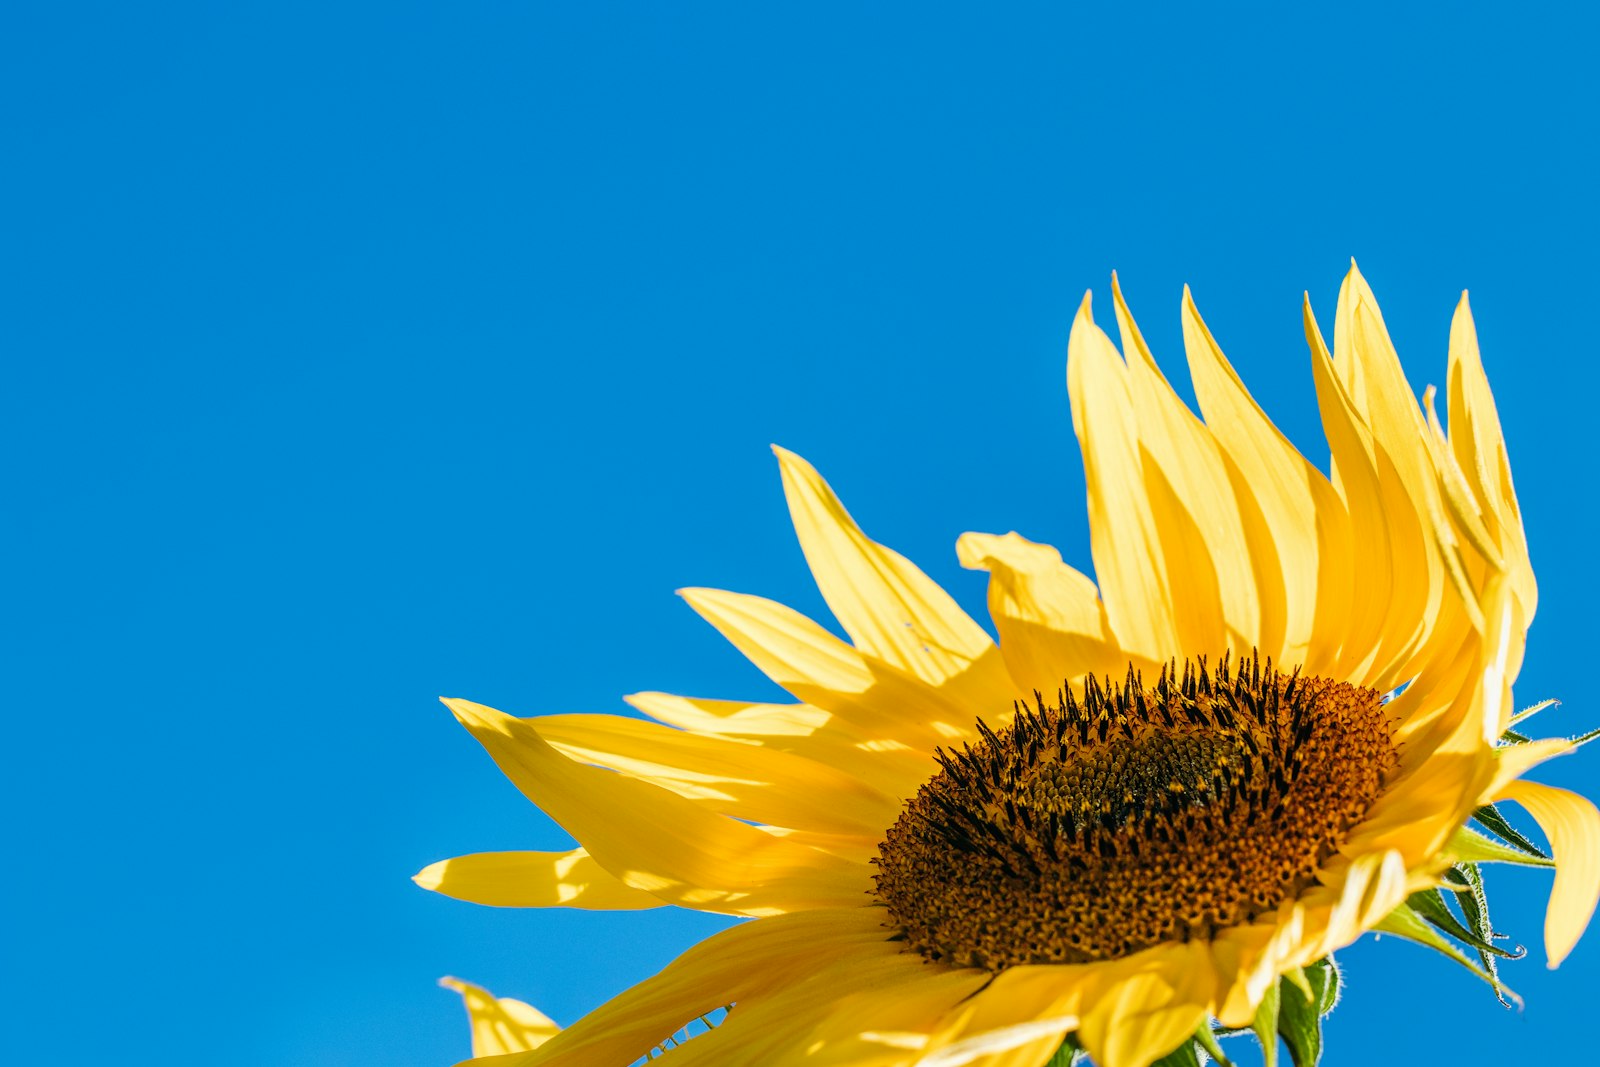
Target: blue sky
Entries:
(359, 354)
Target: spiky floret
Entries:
(1123, 816)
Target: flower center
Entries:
(1121, 818)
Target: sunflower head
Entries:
(1155, 807)
(1132, 816)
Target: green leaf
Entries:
(1208, 1041)
(1515, 738)
(1325, 971)
(1470, 847)
(1265, 1023)
(1489, 818)
(1467, 884)
(1584, 739)
(1533, 709)
(1404, 922)
(1182, 1056)
(1066, 1053)
(1430, 905)
(1300, 1016)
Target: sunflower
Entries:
(1146, 815)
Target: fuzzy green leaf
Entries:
(1207, 1041)
(1532, 710)
(1300, 1016)
(1490, 819)
(1406, 923)
(1265, 1024)
(1182, 1056)
(1431, 906)
(1470, 847)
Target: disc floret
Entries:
(1120, 817)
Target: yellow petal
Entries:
(873, 1014)
(1388, 617)
(1307, 527)
(501, 1025)
(533, 880)
(1022, 1006)
(1052, 625)
(1480, 450)
(799, 728)
(1573, 827)
(889, 608)
(741, 965)
(739, 778)
(1123, 537)
(876, 701)
(656, 841)
(1513, 761)
(1198, 516)
(1147, 1005)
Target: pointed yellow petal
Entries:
(533, 880)
(741, 965)
(1147, 1005)
(739, 778)
(1198, 516)
(1052, 625)
(799, 728)
(656, 841)
(1388, 618)
(1513, 761)
(1023, 1005)
(877, 1015)
(1126, 545)
(1572, 824)
(885, 603)
(504, 1025)
(1480, 450)
(873, 699)
(1307, 529)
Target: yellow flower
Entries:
(1261, 734)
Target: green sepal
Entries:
(1512, 737)
(1207, 1040)
(1584, 739)
(1184, 1055)
(1067, 1054)
(1490, 819)
(1466, 882)
(1468, 846)
(1429, 904)
(1300, 1011)
(1265, 1024)
(1406, 923)
(1532, 710)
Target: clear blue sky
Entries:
(357, 354)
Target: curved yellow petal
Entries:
(1305, 523)
(739, 778)
(1572, 825)
(656, 841)
(1123, 537)
(799, 728)
(502, 1025)
(1143, 1007)
(1198, 516)
(889, 608)
(533, 880)
(1052, 625)
(740, 965)
(875, 700)
(854, 1013)
(1480, 450)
